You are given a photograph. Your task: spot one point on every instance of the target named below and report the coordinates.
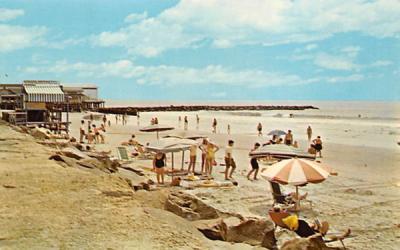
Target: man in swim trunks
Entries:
(254, 163)
(229, 161)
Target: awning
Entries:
(44, 93)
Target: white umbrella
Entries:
(156, 128)
(281, 151)
(171, 145)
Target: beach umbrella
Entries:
(297, 172)
(156, 128)
(171, 145)
(277, 132)
(184, 135)
(280, 151)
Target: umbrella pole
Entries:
(183, 158)
(172, 164)
(297, 198)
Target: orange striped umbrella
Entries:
(297, 172)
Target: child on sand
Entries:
(254, 163)
(159, 163)
(229, 161)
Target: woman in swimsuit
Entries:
(211, 149)
(159, 163)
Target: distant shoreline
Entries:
(168, 108)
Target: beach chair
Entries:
(286, 199)
(278, 216)
(123, 155)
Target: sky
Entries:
(207, 49)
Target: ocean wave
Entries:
(339, 117)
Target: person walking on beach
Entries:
(229, 129)
(116, 119)
(317, 145)
(185, 123)
(289, 138)
(259, 129)
(309, 133)
(192, 162)
(104, 120)
(214, 126)
(82, 131)
(159, 162)
(254, 164)
(179, 121)
(210, 157)
(229, 161)
(138, 118)
(203, 148)
(197, 121)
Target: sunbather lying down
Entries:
(303, 229)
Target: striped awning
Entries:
(44, 93)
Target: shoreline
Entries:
(132, 110)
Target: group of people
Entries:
(121, 117)
(91, 132)
(186, 122)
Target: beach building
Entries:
(42, 103)
(82, 97)
(11, 96)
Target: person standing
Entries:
(159, 162)
(229, 129)
(197, 121)
(192, 162)
(254, 163)
(210, 157)
(229, 161)
(289, 138)
(116, 119)
(104, 120)
(185, 123)
(317, 145)
(259, 129)
(214, 126)
(309, 133)
(179, 121)
(203, 148)
(82, 131)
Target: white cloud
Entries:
(335, 62)
(311, 46)
(9, 14)
(135, 17)
(18, 37)
(173, 75)
(228, 23)
(381, 63)
(350, 78)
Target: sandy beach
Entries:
(365, 196)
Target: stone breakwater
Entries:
(135, 110)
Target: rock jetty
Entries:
(134, 110)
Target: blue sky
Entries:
(207, 49)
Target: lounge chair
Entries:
(123, 154)
(320, 231)
(286, 199)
